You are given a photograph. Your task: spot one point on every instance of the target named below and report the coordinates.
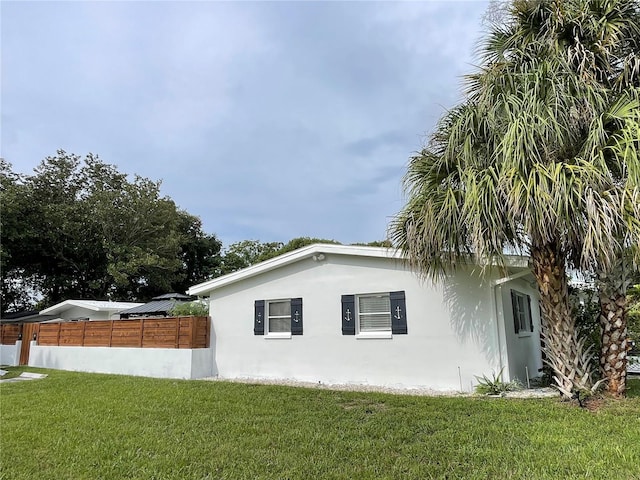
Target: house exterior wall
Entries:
(452, 331)
(523, 349)
(146, 362)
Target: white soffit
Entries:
(93, 305)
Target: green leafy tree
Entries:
(586, 310)
(195, 308)
(246, 253)
(200, 253)
(523, 164)
(377, 243)
(78, 228)
(294, 244)
(16, 295)
(249, 252)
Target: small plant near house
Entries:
(196, 308)
(494, 385)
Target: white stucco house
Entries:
(88, 309)
(339, 314)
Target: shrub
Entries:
(196, 308)
(494, 385)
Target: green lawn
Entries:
(76, 425)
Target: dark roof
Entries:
(154, 307)
(160, 305)
(30, 316)
(16, 315)
(173, 296)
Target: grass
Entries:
(77, 425)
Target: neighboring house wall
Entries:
(523, 348)
(80, 312)
(452, 332)
(147, 362)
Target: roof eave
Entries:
(512, 261)
(292, 257)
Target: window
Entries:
(521, 304)
(374, 314)
(278, 318)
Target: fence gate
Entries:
(28, 329)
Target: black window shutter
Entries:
(296, 316)
(348, 314)
(530, 315)
(514, 308)
(398, 313)
(258, 319)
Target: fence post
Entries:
(84, 327)
(193, 330)
(110, 332)
(58, 334)
(141, 330)
(177, 332)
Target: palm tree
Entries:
(515, 166)
(613, 280)
(614, 46)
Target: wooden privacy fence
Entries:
(175, 332)
(9, 334)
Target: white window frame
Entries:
(267, 315)
(372, 334)
(524, 313)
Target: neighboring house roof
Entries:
(160, 305)
(316, 252)
(19, 315)
(25, 317)
(93, 305)
(174, 296)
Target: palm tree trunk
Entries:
(612, 292)
(564, 351)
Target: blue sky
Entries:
(268, 120)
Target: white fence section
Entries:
(144, 362)
(10, 354)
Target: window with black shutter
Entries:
(374, 314)
(278, 318)
(258, 319)
(296, 316)
(348, 314)
(398, 313)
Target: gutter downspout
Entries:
(498, 313)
